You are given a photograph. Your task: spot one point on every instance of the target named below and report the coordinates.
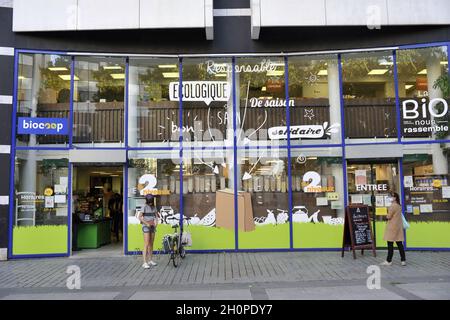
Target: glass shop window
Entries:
(424, 93)
(43, 100)
(369, 96)
(152, 110)
(99, 91)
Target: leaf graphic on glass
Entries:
(334, 128)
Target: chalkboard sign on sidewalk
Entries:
(358, 230)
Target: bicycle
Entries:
(173, 245)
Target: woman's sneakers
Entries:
(147, 265)
(386, 263)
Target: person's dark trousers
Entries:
(391, 250)
(116, 224)
(75, 236)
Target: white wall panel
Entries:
(172, 14)
(359, 13)
(64, 15)
(103, 156)
(379, 151)
(279, 13)
(44, 15)
(108, 14)
(418, 12)
(292, 12)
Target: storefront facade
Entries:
(249, 152)
(283, 130)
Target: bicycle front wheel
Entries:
(182, 252)
(176, 254)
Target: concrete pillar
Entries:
(132, 184)
(27, 172)
(389, 88)
(440, 165)
(35, 90)
(27, 183)
(133, 94)
(334, 96)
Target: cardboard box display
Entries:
(225, 212)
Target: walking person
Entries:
(116, 210)
(149, 219)
(394, 230)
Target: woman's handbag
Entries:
(186, 239)
(405, 223)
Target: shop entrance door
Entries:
(97, 209)
(369, 182)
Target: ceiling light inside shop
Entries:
(221, 75)
(377, 72)
(424, 71)
(112, 68)
(444, 63)
(322, 73)
(275, 73)
(22, 78)
(263, 89)
(58, 69)
(170, 74)
(167, 66)
(386, 63)
(66, 77)
(118, 76)
(278, 64)
(408, 86)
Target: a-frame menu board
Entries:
(358, 230)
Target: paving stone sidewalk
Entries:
(291, 275)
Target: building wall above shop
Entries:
(374, 151)
(71, 15)
(97, 156)
(6, 3)
(371, 13)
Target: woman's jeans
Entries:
(391, 250)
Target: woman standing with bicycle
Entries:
(149, 220)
